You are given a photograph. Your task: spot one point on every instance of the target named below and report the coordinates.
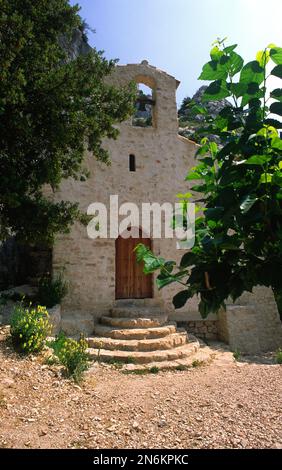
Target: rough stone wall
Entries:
(204, 329)
(162, 161)
(252, 324)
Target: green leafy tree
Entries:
(239, 231)
(52, 107)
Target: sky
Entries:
(176, 35)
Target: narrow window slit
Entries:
(132, 163)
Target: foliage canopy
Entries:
(239, 231)
(51, 108)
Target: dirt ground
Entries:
(225, 404)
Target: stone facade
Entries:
(163, 158)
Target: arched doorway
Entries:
(131, 282)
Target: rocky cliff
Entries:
(77, 45)
(189, 123)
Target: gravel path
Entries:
(225, 404)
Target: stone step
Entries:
(145, 357)
(134, 333)
(168, 342)
(125, 322)
(201, 357)
(139, 303)
(135, 311)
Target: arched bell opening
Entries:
(145, 113)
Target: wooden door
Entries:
(131, 282)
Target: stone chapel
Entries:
(148, 164)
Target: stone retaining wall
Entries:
(205, 329)
(252, 324)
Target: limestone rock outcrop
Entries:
(189, 124)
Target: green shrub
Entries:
(181, 367)
(130, 360)
(279, 356)
(30, 327)
(52, 290)
(116, 364)
(236, 354)
(197, 363)
(72, 354)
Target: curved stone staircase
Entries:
(137, 335)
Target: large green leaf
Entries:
(262, 57)
(214, 213)
(213, 148)
(252, 72)
(208, 160)
(221, 66)
(276, 108)
(188, 259)
(229, 49)
(193, 175)
(257, 160)
(196, 109)
(252, 88)
(164, 280)
(252, 91)
(230, 243)
(180, 299)
(276, 55)
(235, 63)
(277, 71)
(277, 178)
(217, 90)
(277, 94)
(168, 266)
(141, 251)
(199, 188)
(216, 53)
(266, 178)
(152, 264)
(213, 71)
(204, 309)
(276, 143)
(238, 89)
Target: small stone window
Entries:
(132, 162)
(144, 107)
